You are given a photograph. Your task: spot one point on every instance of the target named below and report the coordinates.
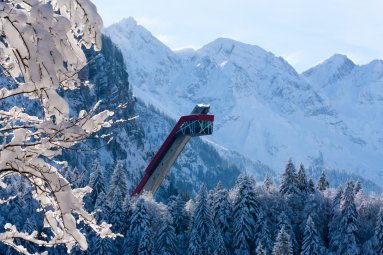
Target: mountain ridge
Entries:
(274, 112)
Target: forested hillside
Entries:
(299, 216)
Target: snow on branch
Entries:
(4, 201)
(41, 50)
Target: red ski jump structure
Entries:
(198, 123)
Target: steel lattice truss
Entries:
(196, 128)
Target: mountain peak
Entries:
(226, 46)
(339, 60)
(225, 49)
(377, 63)
(335, 62)
(225, 41)
(130, 22)
(129, 27)
(336, 67)
(129, 31)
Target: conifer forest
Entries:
(296, 216)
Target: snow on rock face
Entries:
(146, 60)
(264, 109)
(356, 94)
(334, 68)
(255, 72)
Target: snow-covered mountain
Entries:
(264, 109)
(135, 142)
(356, 93)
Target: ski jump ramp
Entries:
(198, 123)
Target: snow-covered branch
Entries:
(40, 49)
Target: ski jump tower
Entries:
(198, 123)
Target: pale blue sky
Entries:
(304, 32)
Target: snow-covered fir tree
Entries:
(176, 207)
(211, 241)
(285, 224)
(282, 244)
(116, 213)
(220, 246)
(118, 181)
(181, 221)
(336, 204)
(348, 227)
(145, 246)
(260, 250)
(103, 246)
(368, 211)
(222, 212)
(195, 244)
(116, 217)
(312, 244)
(201, 220)
(290, 190)
(100, 207)
(323, 183)
(96, 182)
(83, 179)
(358, 187)
(268, 183)
(334, 224)
(303, 182)
(311, 186)
(245, 215)
(289, 180)
(318, 207)
(166, 241)
(264, 236)
(127, 208)
(139, 222)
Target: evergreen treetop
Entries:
(245, 214)
(349, 242)
(289, 181)
(323, 183)
(118, 181)
(312, 245)
(282, 244)
(303, 182)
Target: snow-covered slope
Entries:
(135, 142)
(356, 92)
(264, 109)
